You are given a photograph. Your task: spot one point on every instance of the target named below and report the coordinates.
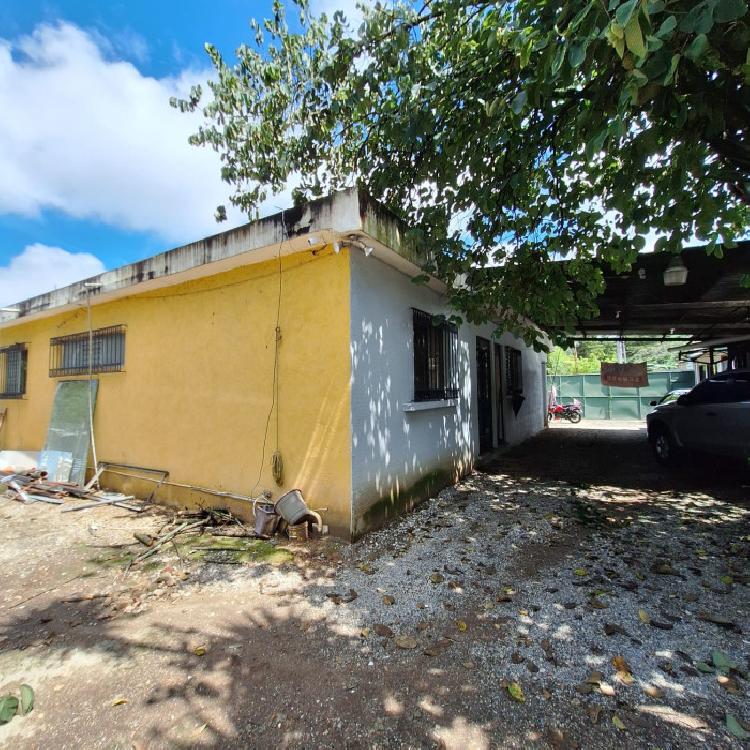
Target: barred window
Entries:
(13, 371)
(513, 370)
(69, 355)
(435, 358)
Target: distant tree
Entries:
(590, 355)
(510, 134)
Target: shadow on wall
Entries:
(399, 458)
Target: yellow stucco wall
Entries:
(196, 391)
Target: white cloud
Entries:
(96, 139)
(40, 268)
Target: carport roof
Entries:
(711, 304)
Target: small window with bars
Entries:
(69, 355)
(13, 371)
(513, 370)
(435, 358)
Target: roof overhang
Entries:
(346, 217)
(711, 304)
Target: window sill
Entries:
(444, 403)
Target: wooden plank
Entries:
(106, 501)
(45, 499)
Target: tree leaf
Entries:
(644, 616)
(634, 38)
(8, 708)
(673, 63)
(519, 102)
(721, 661)
(577, 54)
(699, 20)
(27, 699)
(625, 12)
(729, 10)
(697, 47)
(617, 721)
(735, 728)
(668, 25)
(516, 692)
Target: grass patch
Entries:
(232, 550)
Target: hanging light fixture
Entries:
(676, 273)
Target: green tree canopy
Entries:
(509, 134)
(590, 355)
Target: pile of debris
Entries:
(220, 523)
(34, 485)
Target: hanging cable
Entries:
(277, 463)
(91, 385)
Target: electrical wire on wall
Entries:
(89, 289)
(277, 463)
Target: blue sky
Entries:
(95, 169)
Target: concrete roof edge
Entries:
(341, 213)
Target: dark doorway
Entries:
(484, 394)
(499, 393)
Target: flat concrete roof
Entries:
(346, 216)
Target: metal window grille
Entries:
(513, 370)
(435, 358)
(13, 371)
(69, 355)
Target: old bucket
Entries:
(291, 507)
(266, 519)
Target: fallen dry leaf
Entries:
(406, 642)
(644, 616)
(729, 684)
(595, 678)
(653, 692)
(388, 600)
(619, 663)
(606, 689)
(611, 628)
(624, 677)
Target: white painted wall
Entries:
(391, 448)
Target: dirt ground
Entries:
(571, 594)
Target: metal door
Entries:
(484, 394)
(499, 393)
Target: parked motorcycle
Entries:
(571, 412)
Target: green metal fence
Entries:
(607, 402)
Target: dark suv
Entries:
(713, 417)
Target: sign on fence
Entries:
(624, 376)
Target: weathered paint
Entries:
(399, 456)
(196, 391)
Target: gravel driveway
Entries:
(569, 595)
